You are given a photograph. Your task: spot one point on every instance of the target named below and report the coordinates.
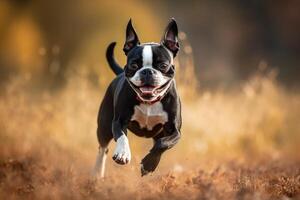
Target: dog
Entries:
(142, 98)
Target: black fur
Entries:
(117, 107)
(111, 59)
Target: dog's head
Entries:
(150, 67)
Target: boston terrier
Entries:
(142, 98)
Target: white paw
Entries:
(122, 154)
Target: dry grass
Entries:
(237, 144)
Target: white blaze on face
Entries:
(147, 56)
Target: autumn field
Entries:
(236, 73)
(237, 143)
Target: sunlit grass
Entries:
(254, 121)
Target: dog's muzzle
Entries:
(149, 93)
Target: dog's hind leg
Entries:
(104, 138)
(99, 169)
(104, 133)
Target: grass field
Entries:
(238, 143)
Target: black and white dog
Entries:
(142, 98)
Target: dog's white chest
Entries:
(149, 115)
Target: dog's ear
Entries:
(132, 39)
(170, 38)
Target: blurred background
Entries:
(237, 73)
(47, 39)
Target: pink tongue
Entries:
(147, 89)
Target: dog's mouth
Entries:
(150, 90)
(147, 89)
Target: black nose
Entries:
(148, 72)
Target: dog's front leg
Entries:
(122, 154)
(151, 160)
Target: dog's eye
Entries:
(134, 66)
(163, 66)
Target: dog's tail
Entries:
(111, 59)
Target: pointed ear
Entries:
(170, 38)
(132, 39)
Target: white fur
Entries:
(147, 56)
(99, 168)
(122, 151)
(149, 115)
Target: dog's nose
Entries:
(148, 72)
